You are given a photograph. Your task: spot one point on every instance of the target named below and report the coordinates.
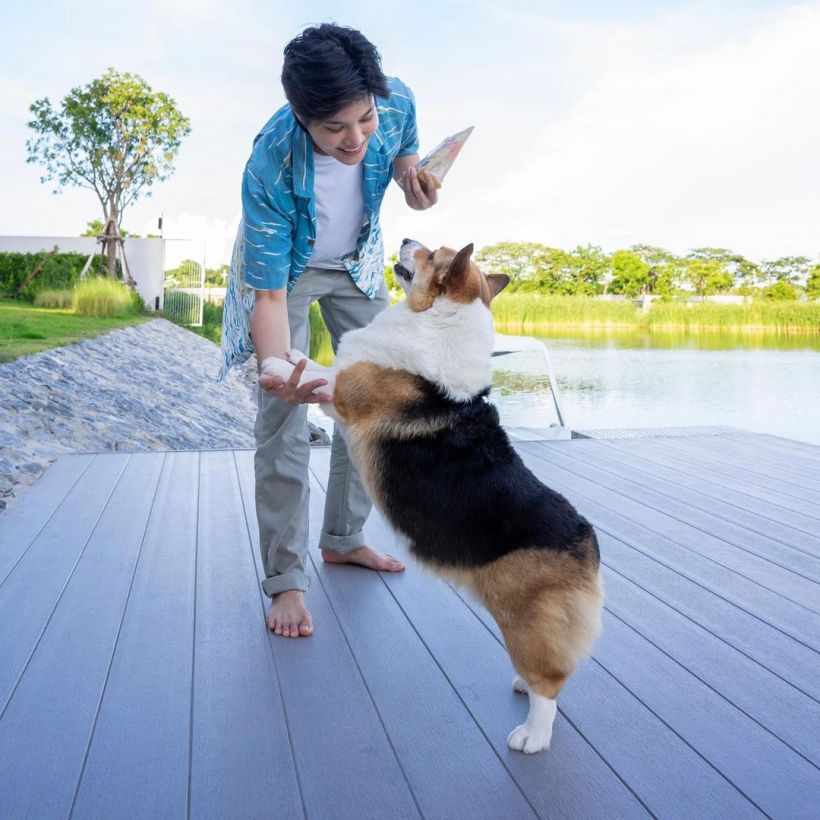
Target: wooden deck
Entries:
(137, 678)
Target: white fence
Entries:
(184, 287)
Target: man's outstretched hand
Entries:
(290, 391)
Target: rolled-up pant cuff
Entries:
(341, 543)
(287, 580)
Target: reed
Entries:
(523, 312)
(103, 297)
(54, 299)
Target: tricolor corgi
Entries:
(411, 389)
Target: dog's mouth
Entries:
(402, 272)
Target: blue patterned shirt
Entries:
(278, 229)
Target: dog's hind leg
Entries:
(535, 735)
(520, 685)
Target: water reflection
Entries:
(616, 378)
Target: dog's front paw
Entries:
(295, 356)
(276, 367)
(529, 740)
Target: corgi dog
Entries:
(411, 391)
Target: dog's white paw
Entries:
(295, 356)
(527, 739)
(520, 685)
(276, 367)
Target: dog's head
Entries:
(428, 275)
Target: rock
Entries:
(148, 387)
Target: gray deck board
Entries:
(47, 724)
(749, 554)
(137, 678)
(337, 737)
(161, 605)
(690, 471)
(802, 542)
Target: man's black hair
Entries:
(328, 67)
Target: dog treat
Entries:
(428, 179)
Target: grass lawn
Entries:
(25, 329)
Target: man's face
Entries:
(345, 134)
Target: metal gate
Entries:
(184, 287)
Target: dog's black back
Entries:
(463, 496)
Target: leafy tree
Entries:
(217, 277)
(114, 136)
(95, 227)
(630, 274)
(589, 269)
(813, 283)
(780, 291)
(707, 274)
(665, 270)
(794, 269)
(521, 261)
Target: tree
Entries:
(707, 274)
(780, 291)
(95, 227)
(521, 261)
(590, 267)
(664, 269)
(813, 283)
(114, 136)
(631, 275)
(794, 269)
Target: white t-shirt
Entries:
(337, 190)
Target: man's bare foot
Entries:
(365, 557)
(288, 616)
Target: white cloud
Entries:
(712, 145)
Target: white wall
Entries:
(145, 258)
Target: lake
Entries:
(763, 382)
(613, 378)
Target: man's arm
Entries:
(270, 332)
(401, 164)
(269, 323)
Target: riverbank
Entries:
(529, 312)
(148, 387)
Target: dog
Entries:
(411, 391)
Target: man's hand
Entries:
(419, 197)
(291, 391)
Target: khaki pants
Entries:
(283, 448)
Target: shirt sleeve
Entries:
(268, 236)
(409, 136)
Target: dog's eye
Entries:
(430, 257)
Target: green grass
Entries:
(25, 329)
(524, 312)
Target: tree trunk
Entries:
(111, 234)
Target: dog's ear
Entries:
(459, 267)
(497, 283)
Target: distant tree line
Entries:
(643, 270)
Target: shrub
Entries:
(54, 299)
(59, 272)
(103, 297)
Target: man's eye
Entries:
(335, 130)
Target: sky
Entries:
(679, 124)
